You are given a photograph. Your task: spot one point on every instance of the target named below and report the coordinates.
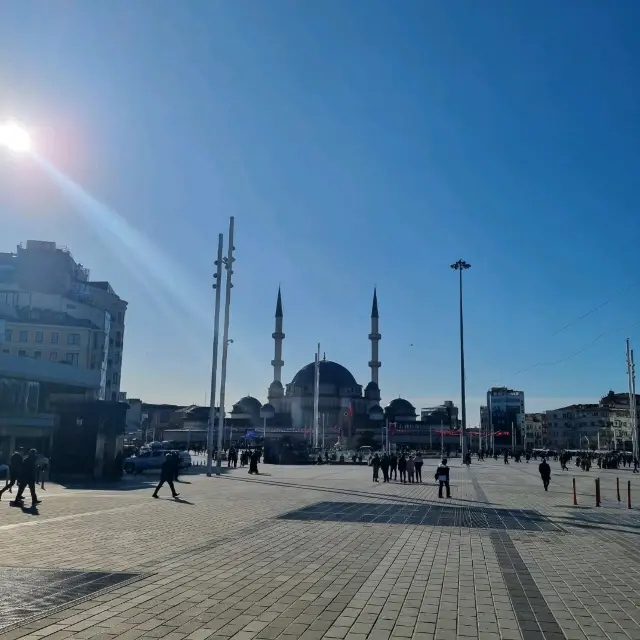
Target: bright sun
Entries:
(14, 137)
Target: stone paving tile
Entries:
(229, 565)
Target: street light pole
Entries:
(228, 265)
(461, 266)
(214, 363)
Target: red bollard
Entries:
(618, 488)
(597, 492)
(628, 494)
(575, 496)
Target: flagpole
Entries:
(441, 441)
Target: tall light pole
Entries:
(214, 363)
(631, 373)
(461, 266)
(228, 265)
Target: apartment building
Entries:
(582, 426)
(53, 310)
(534, 431)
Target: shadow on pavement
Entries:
(351, 492)
(128, 482)
(435, 515)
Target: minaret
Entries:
(375, 337)
(277, 363)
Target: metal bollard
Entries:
(628, 494)
(597, 492)
(575, 495)
(618, 488)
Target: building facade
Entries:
(582, 426)
(445, 414)
(505, 410)
(31, 392)
(533, 431)
(53, 310)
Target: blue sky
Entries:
(357, 143)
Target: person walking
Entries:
(411, 467)
(253, 462)
(375, 463)
(15, 467)
(545, 473)
(442, 476)
(167, 474)
(393, 467)
(418, 462)
(384, 465)
(28, 473)
(402, 468)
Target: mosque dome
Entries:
(248, 404)
(372, 391)
(331, 373)
(400, 407)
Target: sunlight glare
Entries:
(14, 137)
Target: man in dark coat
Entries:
(167, 474)
(28, 474)
(545, 473)
(15, 467)
(253, 462)
(442, 476)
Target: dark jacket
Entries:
(442, 470)
(29, 469)
(168, 469)
(544, 469)
(15, 464)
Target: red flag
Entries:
(350, 410)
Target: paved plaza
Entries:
(322, 552)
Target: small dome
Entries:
(269, 409)
(400, 407)
(376, 410)
(248, 404)
(330, 373)
(372, 391)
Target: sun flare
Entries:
(14, 137)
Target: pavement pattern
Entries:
(323, 552)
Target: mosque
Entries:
(344, 406)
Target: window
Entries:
(116, 378)
(53, 356)
(114, 396)
(24, 336)
(37, 355)
(22, 353)
(72, 358)
(7, 335)
(73, 338)
(39, 336)
(55, 337)
(6, 351)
